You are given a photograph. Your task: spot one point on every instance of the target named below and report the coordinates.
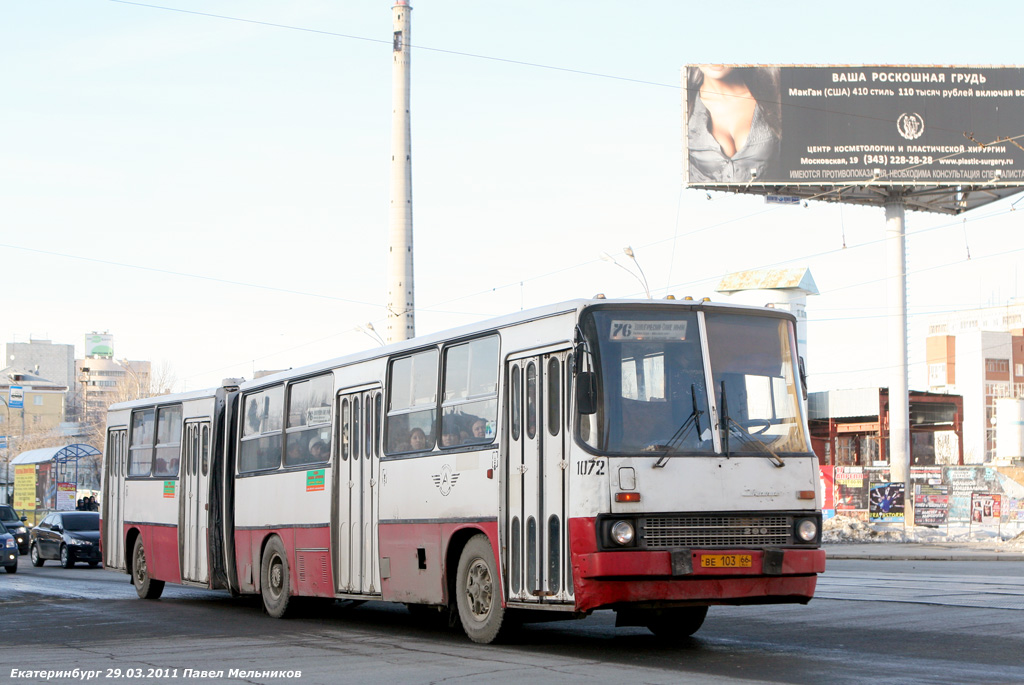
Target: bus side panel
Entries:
(416, 554)
(607, 578)
(311, 568)
(247, 558)
(151, 507)
(282, 503)
(309, 563)
(161, 545)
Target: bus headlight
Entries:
(807, 530)
(622, 532)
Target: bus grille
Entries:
(667, 532)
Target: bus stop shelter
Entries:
(50, 477)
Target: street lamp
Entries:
(369, 330)
(642, 278)
(7, 461)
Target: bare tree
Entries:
(132, 386)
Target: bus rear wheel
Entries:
(274, 579)
(145, 586)
(477, 592)
(676, 624)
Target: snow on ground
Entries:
(848, 529)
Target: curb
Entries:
(941, 556)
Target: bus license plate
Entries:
(726, 561)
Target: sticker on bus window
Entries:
(169, 488)
(315, 415)
(314, 480)
(660, 331)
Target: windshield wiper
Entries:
(692, 421)
(744, 434)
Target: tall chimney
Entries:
(401, 303)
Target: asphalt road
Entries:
(894, 622)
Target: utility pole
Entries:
(899, 390)
(401, 301)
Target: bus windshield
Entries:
(652, 388)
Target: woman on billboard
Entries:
(734, 123)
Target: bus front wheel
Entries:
(676, 624)
(274, 578)
(145, 586)
(477, 592)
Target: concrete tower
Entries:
(401, 321)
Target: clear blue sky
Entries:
(214, 192)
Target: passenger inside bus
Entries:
(451, 436)
(318, 450)
(417, 439)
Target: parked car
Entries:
(68, 536)
(15, 526)
(8, 551)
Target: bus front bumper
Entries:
(696, 576)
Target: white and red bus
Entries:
(650, 457)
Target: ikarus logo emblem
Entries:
(445, 480)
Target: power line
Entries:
(505, 60)
(184, 274)
(335, 34)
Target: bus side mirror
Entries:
(586, 392)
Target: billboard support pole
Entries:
(899, 391)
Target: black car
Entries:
(8, 551)
(69, 536)
(15, 526)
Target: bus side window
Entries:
(516, 402)
(308, 434)
(143, 434)
(262, 423)
(554, 396)
(412, 403)
(345, 428)
(469, 408)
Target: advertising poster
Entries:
(1015, 510)
(828, 490)
(25, 486)
(963, 482)
(66, 496)
(840, 125)
(886, 502)
(985, 508)
(931, 505)
(930, 475)
(46, 486)
(851, 488)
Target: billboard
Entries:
(845, 125)
(99, 345)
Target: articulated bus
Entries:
(649, 457)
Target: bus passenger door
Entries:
(536, 477)
(194, 478)
(113, 498)
(357, 465)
